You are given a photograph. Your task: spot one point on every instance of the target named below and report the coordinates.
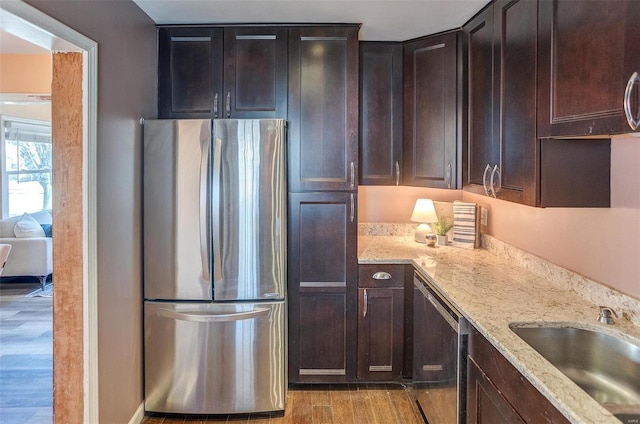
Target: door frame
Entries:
(32, 25)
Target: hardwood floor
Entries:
(26, 356)
(324, 404)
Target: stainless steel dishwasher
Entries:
(440, 342)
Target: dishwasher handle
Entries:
(443, 312)
(437, 304)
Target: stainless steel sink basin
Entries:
(604, 366)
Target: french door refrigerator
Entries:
(214, 199)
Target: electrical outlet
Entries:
(484, 217)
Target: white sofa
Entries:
(30, 256)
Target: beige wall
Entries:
(602, 244)
(25, 73)
(395, 204)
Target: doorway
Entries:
(74, 217)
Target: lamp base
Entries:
(421, 233)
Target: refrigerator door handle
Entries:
(204, 227)
(200, 316)
(215, 209)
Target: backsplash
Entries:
(625, 306)
(386, 229)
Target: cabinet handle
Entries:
(353, 208)
(364, 309)
(485, 181)
(449, 175)
(353, 175)
(494, 191)
(382, 276)
(633, 123)
(397, 173)
(228, 105)
(215, 106)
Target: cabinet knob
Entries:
(215, 105)
(228, 105)
(397, 173)
(628, 110)
(449, 175)
(381, 275)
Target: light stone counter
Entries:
(496, 289)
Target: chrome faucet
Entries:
(605, 315)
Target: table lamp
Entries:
(424, 212)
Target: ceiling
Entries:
(10, 44)
(382, 20)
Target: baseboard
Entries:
(138, 416)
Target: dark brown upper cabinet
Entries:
(323, 108)
(380, 113)
(501, 151)
(189, 72)
(431, 112)
(233, 72)
(255, 72)
(589, 50)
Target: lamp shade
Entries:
(424, 212)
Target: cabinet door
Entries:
(255, 72)
(485, 404)
(380, 334)
(189, 72)
(322, 300)
(482, 149)
(502, 150)
(323, 108)
(430, 112)
(584, 64)
(498, 393)
(515, 38)
(380, 113)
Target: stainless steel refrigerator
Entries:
(214, 266)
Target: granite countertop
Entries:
(493, 292)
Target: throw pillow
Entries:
(28, 227)
(48, 230)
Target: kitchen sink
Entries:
(604, 366)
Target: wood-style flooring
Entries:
(26, 355)
(335, 404)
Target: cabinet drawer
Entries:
(380, 275)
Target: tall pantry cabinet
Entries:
(323, 170)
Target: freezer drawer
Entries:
(215, 359)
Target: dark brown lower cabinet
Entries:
(381, 322)
(323, 287)
(497, 392)
(485, 403)
(323, 324)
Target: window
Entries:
(26, 166)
